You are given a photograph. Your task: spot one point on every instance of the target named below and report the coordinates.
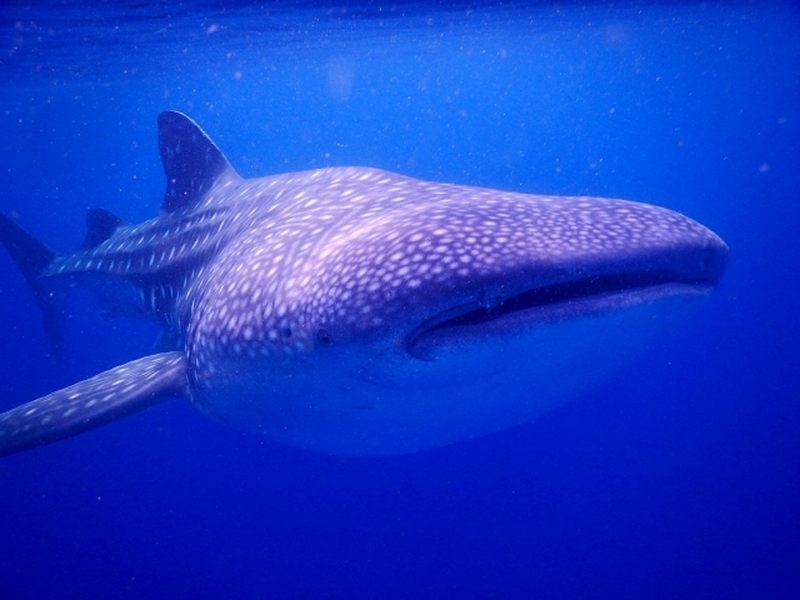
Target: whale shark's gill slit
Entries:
(549, 295)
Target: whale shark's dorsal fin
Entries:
(192, 162)
(100, 225)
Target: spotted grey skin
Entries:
(356, 311)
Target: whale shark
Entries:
(356, 311)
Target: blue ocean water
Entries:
(679, 477)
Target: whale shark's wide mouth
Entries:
(562, 300)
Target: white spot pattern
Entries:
(268, 267)
(320, 250)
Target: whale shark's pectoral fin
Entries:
(87, 404)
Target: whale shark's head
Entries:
(395, 289)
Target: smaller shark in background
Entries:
(360, 312)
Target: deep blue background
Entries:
(677, 478)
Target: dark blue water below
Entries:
(679, 477)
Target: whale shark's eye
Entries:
(324, 337)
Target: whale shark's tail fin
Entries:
(33, 257)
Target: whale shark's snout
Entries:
(686, 260)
